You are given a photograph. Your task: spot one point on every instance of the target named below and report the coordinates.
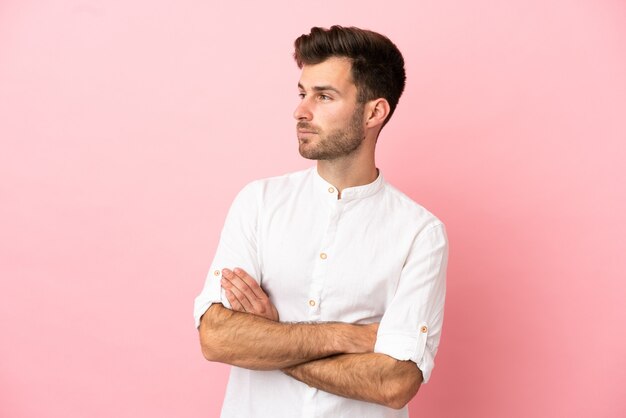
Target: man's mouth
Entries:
(305, 129)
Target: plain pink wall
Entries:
(127, 127)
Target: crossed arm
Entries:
(334, 357)
(254, 342)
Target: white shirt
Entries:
(372, 256)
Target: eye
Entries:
(301, 95)
(324, 97)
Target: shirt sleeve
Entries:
(237, 248)
(410, 328)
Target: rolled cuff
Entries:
(408, 346)
(211, 293)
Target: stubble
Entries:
(336, 144)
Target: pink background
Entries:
(127, 127)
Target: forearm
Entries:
(253, 342)
(368, 377)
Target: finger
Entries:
(236, 281)
(228, 283)
(241, 284)
(235, 305)
(249, 302)
(250, 282)
(242, 298)
(253, 291)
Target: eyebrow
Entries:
(321, 88)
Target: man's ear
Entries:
(377, 112)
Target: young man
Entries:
(327, 289)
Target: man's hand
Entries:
(245, 294)
(257, 343)
(250, 336)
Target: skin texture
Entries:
(336, 126)
(340, 133)
(343, 136)
(251, 298)
(366, 376)
(253, 341)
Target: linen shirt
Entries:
(373, 255)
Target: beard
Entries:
(338, 143)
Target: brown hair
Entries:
(377, 64)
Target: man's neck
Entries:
(348, 172)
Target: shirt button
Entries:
(216, 272)
(323, 256)
(424, 329)
(331, 190)
(312, 302)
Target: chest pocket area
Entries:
(358, 288)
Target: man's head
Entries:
(377, 66)
(331, 123)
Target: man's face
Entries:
(330, 120)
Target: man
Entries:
(327, 289)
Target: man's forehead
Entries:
(335, 71)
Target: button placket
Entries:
(321, 264)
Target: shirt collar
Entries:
(350, 193)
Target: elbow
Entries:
(398, 402)
(400, 397)
(207, 345)
(401, 390)
(209, 332)
(207, 350)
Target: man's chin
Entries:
(308, 154)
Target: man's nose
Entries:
(303, 112)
